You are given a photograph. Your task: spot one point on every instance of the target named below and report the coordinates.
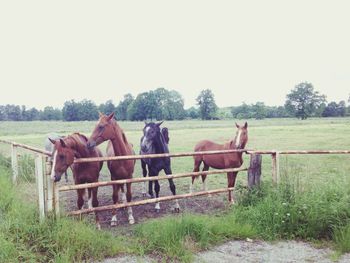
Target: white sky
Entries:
(248, 51)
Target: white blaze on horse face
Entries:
(238, 138)
(144, 140)
(53, 165)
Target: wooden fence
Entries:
(49, 191)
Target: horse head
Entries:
(103, 130)
(63, 157)
(151, 133)
(241, 138)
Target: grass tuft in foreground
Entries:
(178, 237)
(24, 238)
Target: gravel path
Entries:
(257, 251)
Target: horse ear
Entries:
(145, 122)
(159, 123)
(100, 114)
(52, 141)
(63, 143)
(110, 116)
(245, 125)
(237, 125)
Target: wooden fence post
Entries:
(56, 199)
(14, 163)
(275, 167)
(39, 174)
(254, 171)
(49, 184)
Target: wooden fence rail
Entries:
(146, 179)
(148, 201)
(49, 191)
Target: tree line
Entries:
(162, 104)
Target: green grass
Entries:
(311, 203)
(24, 239)
(179, 237)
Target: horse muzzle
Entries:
(91, 144)
(56, 178)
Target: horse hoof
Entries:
(231, 203)
(131, 221)
(157, 210)
(98, 226)
(177, 210)
(144, 194)
(113, 223)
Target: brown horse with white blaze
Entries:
(221, 161)
(107, 129)
(65, 150)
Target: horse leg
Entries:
(231, 180)
(172, 189)
(150, 189)
(115, 201)
(89, 202)
(95, 204)
(144, 173)
(123, 198)
(80, 201)
(197, 164)
(157, 189)
(128, 197)
(204, 176)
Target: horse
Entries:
(49, 147)
(165, 133)
(152, 142)
(221, 161)
(107, 129)
(65, 150)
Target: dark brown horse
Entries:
(221, 161)
(108, 129)
(65, 150)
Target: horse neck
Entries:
(118, 143)
(160, 144)
(76, 142)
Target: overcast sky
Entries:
(245, 51)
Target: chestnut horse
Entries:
(106, 129)
(221, 161)
(65, 150)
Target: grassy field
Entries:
(311, 203)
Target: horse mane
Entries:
(77, 141)
(165, 133)
(160, 144)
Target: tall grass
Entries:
(179, 237)
(291, 211)
(24, 239)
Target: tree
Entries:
(122, 108)
(137, 110)
(259, 111)
(107, 108)
(70, 111)
(303, 101)
(87, 111)
(207, 106)
(334, 109)
(49, 113)
(13, 112)
(192, 113)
